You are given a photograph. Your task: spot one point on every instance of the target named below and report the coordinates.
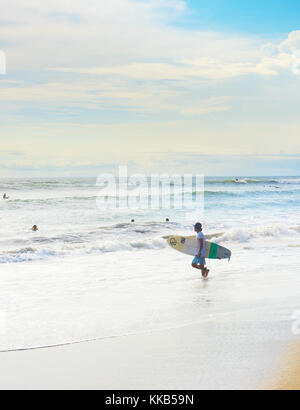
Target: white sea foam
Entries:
(88, 273)
(275, 231)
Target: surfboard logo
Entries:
(173, 242)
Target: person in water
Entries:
(199, 261)
(5, 197)
(34, 228)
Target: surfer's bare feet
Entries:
(205, 273)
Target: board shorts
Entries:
(199, 261)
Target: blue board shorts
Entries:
(199, 261)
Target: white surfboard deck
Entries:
(188, 246)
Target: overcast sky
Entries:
(166, 85)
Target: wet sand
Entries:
(232, 352)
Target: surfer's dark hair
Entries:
(198, 226)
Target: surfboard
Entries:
(207, 236)
(188, 245)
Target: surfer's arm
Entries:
(201, 247)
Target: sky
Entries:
(246, 16)
(208, 87)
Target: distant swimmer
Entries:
(199, 261)
(132, 221)
(34, 228)
(5, 197)
(167, 220)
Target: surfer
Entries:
(5, 197)
(199, 260)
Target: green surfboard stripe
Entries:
(213, 251)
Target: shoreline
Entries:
(197, 357)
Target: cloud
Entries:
(100, 79)
(4, 153)
(75, 33)
(205, 68)
(164, 162)
(291, 44)
(155, 86)
(93, 94)
(97, 143)
(269, 60)
(130, 38)
(281, 55)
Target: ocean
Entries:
(90, 273)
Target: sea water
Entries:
(89, 273)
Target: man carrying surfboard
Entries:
(199, 261)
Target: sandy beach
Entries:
(198, 356)
(152, 322)
(287, 377)
(126, 122)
